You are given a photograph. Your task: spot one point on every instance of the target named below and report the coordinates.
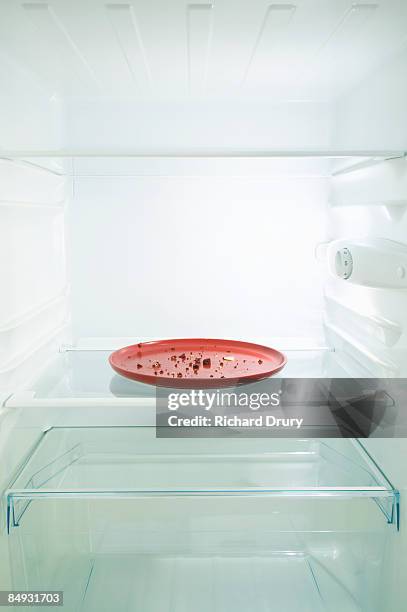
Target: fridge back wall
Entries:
(195, 255)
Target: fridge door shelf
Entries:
(131, 463)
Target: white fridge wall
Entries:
(230, 74)
(31, 117)
(223, 256)
(190, 125)
(34, 311)
(366, 319)
(373, 111)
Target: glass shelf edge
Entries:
(200, 153)
(309, 492)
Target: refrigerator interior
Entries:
(173, 169)
(214, 523)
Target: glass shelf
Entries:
(103, 462)
(202, 152)
(86, 374)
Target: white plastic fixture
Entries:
(372, 262)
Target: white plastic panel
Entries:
(373, 111)
(196, 125)
(186, 256)
(196, 74)
(217, 166)
(30, 183)
(199, 34)
(375, 184)
(272, 29)
(33, 308)
(126, 29)
(366, 313)
(326, 46)
(24, 332)
(32, 253)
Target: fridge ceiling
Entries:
(160, 49)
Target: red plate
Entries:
(197, 362)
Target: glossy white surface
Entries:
(306, 74)
(232, 76)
